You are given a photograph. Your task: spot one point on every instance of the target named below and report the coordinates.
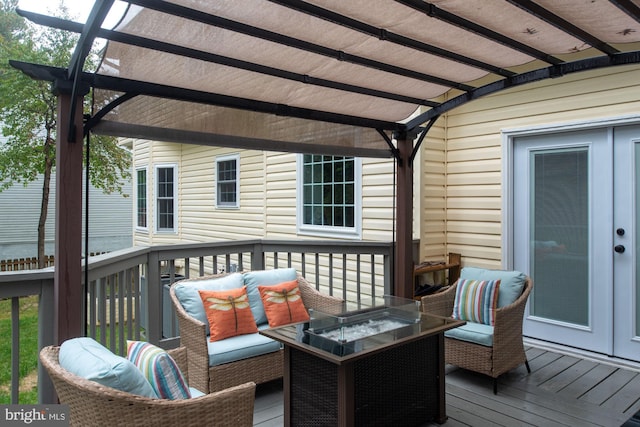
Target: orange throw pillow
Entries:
(283, 303)
(228, 312)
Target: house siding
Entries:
(473, 151)
(110, 220)
(268, 202)
(431, 193)
(268, 195)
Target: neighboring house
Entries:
(110, 220)
(541, 178)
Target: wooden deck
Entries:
(562, 390)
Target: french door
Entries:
(576, 197)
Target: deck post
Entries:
(68, 290)
(403, 254)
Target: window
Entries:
(330, 194)
(141, 198)
(228, 182)
(165, 198)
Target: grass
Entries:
(28, 393)
(28, 351)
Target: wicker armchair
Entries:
(258, 369)
(91, 403)
(507, 351)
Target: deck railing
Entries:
(127, 292)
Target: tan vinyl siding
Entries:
(474, 150)
(201, 219)
(431, 193)
(268, 203)
(280, 195)
(141, 160)
(377, 199)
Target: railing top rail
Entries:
(324, 246)
(26, 275)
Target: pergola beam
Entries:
(263, 34)
(200, 55)
(564, 25)
(435, 12)
(385, 34)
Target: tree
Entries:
(28, 113)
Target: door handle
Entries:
(619, 249)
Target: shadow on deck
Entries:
(561, 390)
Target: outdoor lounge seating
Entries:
(491, 349)
(246, 357)
(93, 403)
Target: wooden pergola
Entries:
(358, 78)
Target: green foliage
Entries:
(28, 108)
(10, 24)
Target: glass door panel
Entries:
(562, 222)
(559, 212)
(626, 231)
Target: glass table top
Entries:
(361, 327)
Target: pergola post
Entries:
(403, 257)
(68, 290)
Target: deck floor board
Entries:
(561, 390)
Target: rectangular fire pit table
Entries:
(375, 363)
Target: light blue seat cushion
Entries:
(195, 392)
(240, 347)
(253, 279)
(478, 333)
(89, 359)
(511, 282)
(187, 293)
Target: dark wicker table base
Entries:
(399, 386)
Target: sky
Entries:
(79, 9)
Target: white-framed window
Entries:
(166, 198)
(228, 181)
(141, 198)
(329, 196)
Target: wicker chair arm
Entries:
(316, 300)
(92, 404)
(193, 336)
(508, 321)
(440, 303)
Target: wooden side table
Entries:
(453, 266)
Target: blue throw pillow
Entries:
(189, 297)
(89, 359)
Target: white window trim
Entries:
(225, 158)
(175, 199)
(146, 170)
(354, 232)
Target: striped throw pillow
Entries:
(160, 369)
(476, 301)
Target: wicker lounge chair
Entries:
(507, 351)
(93, 404)
(257, 369)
